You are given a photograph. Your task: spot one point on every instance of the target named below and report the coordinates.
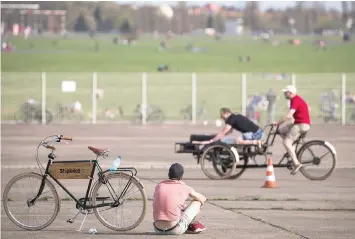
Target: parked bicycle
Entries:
(154, 114)
(116, 113)
(31, 111)
(201, 112)
(106, 197)
(65, 112)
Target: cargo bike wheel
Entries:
(241, 167)
(218, 161)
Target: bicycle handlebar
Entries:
(67, 138)
(55, 139)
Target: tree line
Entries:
(107, 16)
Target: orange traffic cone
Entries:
(270, 181)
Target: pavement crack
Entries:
(271, 224)
(262, 221)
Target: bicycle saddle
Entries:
(97, 151)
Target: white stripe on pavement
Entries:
(141, 166)
(103, 138)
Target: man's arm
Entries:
(287, 117)
(220, 135)
(230, 131)
(198, 197)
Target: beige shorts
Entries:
(187, 216)
(293, 131)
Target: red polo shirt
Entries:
(301, 114)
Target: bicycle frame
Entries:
(272, 136)
(101, 174)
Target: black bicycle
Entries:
(113, 192)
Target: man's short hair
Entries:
(225, 110)
(176, 171)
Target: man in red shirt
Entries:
(300, 113)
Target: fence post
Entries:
(293, 79)
(193, 99)
(94, 97)
(144, 99)
(244, 93)
(343, 93)
(1, 105)
(43, 98)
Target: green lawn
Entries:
(78, 55)
(218, 71)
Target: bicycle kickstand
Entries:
(86, 213)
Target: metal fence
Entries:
(170, 97)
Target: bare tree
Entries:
(344, 6)
(251, 17)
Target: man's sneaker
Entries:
(195, 227)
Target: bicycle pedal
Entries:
(70, 221)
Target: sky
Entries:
(240, 4)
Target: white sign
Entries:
(68, 86)
(15, 29)
(349, 23)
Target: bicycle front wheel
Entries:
(318, 158)
(120, 201)
(20, 191)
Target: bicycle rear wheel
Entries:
(318, 158)
(132, 204)
(23, 188)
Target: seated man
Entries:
(299, 111)
(171, 216)
(251, 133)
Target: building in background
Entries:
(18, 17)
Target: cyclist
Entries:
(170, 213)
(300, 113)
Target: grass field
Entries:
(218, 70)
(77, 54)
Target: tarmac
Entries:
(241, 208)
